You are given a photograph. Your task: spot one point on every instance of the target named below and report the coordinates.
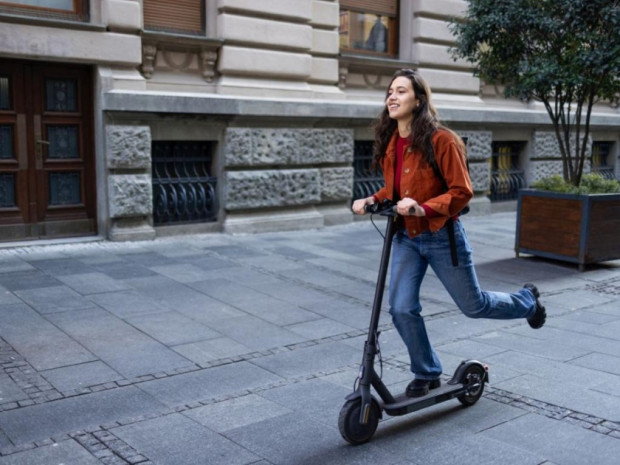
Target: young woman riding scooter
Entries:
(425, 174)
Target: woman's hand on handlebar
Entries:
(409, 207)
(359, 206)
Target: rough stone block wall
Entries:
(546, 145)
(336, 184)
(300, 166)
(265, 146)
(128, 147)
(272, 188)
(130, 189)
(479, 148)
(130, 195)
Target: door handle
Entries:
(38, 152)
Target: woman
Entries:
(408, 141)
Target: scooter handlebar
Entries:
(385, 206)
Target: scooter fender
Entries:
(358, 395)
(459, 373)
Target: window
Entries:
(180, 16)
(365, 180)
(369, 26)
(506, 176)
(184, 188)
(600, 159)
(61, 9)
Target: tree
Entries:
(563, 53)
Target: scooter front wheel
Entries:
(349, 424)
(473, 379)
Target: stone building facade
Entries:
(131, 119)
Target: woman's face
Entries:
(401, 99)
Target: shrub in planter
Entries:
(576, 224)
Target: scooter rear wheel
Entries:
(473, 378)
(349, 422)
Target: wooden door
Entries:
(47, 176)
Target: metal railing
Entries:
(506, 176)
(183, 189)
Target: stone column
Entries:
(130, 189)
(479, 147)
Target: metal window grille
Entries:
(184, 190)
(506, 175)
(365, 181)
(600, 159)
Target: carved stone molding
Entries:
(205, 49)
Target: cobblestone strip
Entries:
(609, 286)
(596, 424)
(35, 388)
(102, 443)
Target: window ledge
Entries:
(33, 20)
(368, 65)
(180, 40)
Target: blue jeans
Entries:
(410, 260)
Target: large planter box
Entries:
(581, 229)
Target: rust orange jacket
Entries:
(418, 181)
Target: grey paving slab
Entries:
(42, 344)
(182, 272)
(237, 412)
(351, 314)
(557, 441)
(207, 383)
(92, 283)
(533, 346)
(63, 266)
(12, 265)
(273, 263)
(103, 334)
(256, 333)
(172, 328)
(209, 263)
(65, 453)
(291, 292)
(578, 299)
(54, 299)
(38, 422)
(587, 342)
(600, 362)
(234, 251)
(254, 302)
(7, 297)
(323, 327)
(297, 440)
(178, 440)
(27, 280)
(323, 357)
(450, 434)
(123, 270)
(76, 377)
(212, 349)
(9, 390)
(127, 304)
(149, 258)
(325, 399)
(569, 395)
(610, 330)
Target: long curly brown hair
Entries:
(423, 125)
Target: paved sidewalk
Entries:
(219, 349)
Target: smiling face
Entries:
(401, 99)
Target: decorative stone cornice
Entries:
(206, 49)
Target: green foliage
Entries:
(563, 53)
(591, 183)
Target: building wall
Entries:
(267, 85)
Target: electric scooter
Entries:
(360, 414)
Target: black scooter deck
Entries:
(403, 404)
